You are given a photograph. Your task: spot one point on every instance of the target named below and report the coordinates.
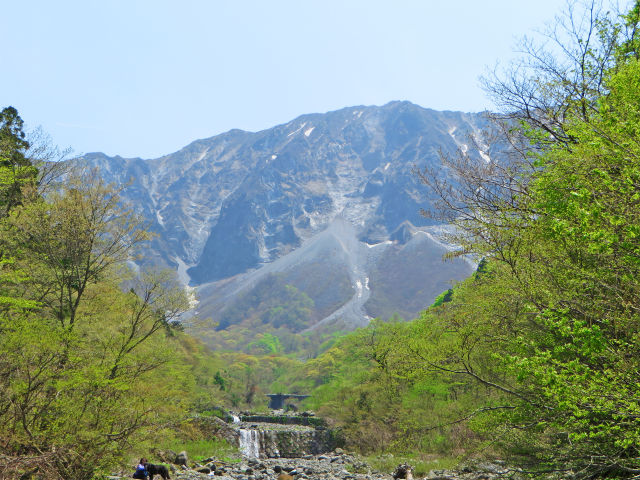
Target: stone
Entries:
(403, 471)
(165, 456)
(181, 458)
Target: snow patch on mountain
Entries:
(296, 131)
(228, 192)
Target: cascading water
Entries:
(273, 436)
(249, 443)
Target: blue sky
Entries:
(145, 78)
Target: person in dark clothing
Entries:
(141, 470)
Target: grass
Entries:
(199, 450)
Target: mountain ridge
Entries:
(236, 202)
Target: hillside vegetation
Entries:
(93, 360)
(537, 356)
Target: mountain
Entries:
(326, 204)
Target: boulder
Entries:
(403, 471)
(181, 458)
(165, 456)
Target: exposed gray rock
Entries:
(165, 456)
(232, 204)
(181, 458)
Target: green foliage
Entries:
(83, 364)
(294, 313)
(220, 381)
(269, 318)
(265, 343)
(273, 301)
(17, 174)
(552, 329)
(201, 449)
(444, 297)
(372, 387)
(580, 361)
(537, 354)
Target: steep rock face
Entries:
(230, 205)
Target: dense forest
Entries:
(535, 357)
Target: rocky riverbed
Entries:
(284, 447)
(336, 465)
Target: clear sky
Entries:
(144, 78)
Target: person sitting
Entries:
(141, 470)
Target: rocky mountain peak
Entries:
(234, 203)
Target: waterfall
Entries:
(249, 443)
(265, 436)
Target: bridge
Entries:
(276, 401)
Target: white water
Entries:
(249, 443)
(236, 419)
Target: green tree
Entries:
(16, 169)
(83, 364)
(74, 238)
(559, 228)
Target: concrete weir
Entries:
(276, 401)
